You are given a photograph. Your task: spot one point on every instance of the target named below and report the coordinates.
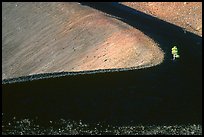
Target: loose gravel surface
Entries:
(68, 127)
(184, 14)
(68, 37)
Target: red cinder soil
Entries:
(55, 37)
(187, 15)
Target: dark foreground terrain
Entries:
(68, 127)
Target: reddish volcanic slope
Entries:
(55, 37)
(187, 15)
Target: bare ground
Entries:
(187, 15)
(55, 37)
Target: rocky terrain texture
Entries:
(56, 37)
(187, 15)
(68, 127)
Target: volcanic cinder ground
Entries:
(55, 37)
(187, 15)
